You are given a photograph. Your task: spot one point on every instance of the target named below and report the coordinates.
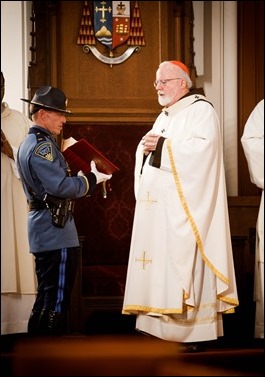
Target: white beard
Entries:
(164, 101)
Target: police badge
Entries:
(112, 26)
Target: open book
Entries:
(79, 155)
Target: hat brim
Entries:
(45, 106)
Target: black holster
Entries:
(60, 209)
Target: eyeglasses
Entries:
(164, 82)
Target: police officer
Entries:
(50, 190)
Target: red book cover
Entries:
(79, 155)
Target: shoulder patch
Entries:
(44, 150)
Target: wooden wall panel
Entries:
(121, 92)
(250, 78)
(101, 92)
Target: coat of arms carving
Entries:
(108, 25)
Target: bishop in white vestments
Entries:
(180, 277)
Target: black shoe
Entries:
(192, 347)
(38, 323)
(57, 324)
(33, 323)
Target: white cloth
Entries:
(253, 144)
(17, 264)
(178, 291)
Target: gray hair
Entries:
(181, 73)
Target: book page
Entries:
(67, 143)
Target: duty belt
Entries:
(37, 205)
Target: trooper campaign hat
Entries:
(49, 98)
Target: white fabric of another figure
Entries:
(253, 144)
(18, 284)
(180, 277)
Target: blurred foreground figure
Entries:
(253, 145)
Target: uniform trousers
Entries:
(56, 272)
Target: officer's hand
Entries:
(101, 177)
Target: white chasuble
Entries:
(180, 275)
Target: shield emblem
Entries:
(112, 22)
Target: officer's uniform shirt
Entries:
(43, 168)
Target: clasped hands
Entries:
(149, 142)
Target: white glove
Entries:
(101, 177)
